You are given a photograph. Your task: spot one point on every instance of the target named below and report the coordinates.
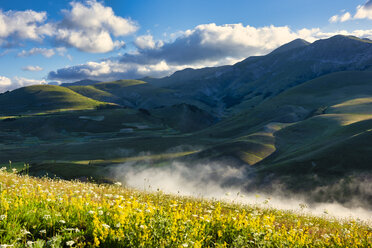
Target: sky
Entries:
(65, 41)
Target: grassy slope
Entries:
(106, 91)
(77, 214)
(43, 98)
(332, 94)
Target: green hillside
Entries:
(44, 98)
(92, 92)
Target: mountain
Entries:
(297, 43)
(227, 90)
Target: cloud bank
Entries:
(204, 45)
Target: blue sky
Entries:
(64, 41)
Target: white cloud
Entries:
(17, 82)
(144, 42)
(34, 51)
(209, 43)
(364, 11)
(334, 19)
(4, 81)
(343, 18)
(32, 68)
(17, 25)
(112, 70)
(89, 27)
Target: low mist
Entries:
(219, 181)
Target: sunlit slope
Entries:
(92, 92)
(329, 102)
(40, 98)
(299, 103)
(106, 91)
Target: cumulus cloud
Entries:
(205, 45)
(4, 81)
(364, 11)
(342, 18)
(32, 68)
(37, 50)
(19, 25)
(112, 70)
(211, 42)
(17, 82)
(89, 27)
(146, 42)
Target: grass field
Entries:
(55, 213)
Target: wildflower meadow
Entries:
(43, 212)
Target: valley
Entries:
(299, 116)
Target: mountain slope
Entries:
(230, 89)
(40, 98)
(80, 83)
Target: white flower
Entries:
(46, 217)
(3, 217)
(90, 212)
(118, 225)
(42, 231)
(62, 222)
(118, 183)
(25, 232)
(185, 245)
(70, 243)
(100, 212)
(106, 226)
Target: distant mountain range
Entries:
(299, 116)
(226, 89)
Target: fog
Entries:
(226, 183)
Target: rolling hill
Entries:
(42, 98)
